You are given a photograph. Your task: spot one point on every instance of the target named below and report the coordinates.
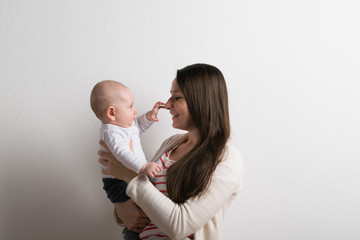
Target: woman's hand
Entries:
(132, 216)
(113, 166)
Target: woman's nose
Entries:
(168, 104)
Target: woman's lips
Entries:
(174, 115)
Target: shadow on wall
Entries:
(50, 199)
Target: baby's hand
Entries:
(152, 115)
(151, 169)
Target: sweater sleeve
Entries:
(180, 220)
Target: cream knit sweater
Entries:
(203, 215)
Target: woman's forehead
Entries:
(174, 87)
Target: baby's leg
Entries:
(129, 235)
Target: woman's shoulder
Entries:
(232, 147)
(173, 140)
(168, 144)
(232, 154)
(231, 164)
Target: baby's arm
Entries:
(152, 114)
(151, 169)
(145, 121)
(123, 150)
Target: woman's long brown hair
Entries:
(206, 95)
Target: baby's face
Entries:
(125, 111)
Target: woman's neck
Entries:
(193, 139)
(185, 146)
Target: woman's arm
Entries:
(119, 146)
(118, 170)
(179, 220)
(131, 215)
(113, 166)
(126, 212)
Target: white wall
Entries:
(292, 69)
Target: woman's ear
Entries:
(110, 113)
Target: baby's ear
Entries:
(110, 113)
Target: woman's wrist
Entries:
(128, 177)
(116, 216)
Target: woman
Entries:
(206, 170)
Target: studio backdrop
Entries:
(292, 71)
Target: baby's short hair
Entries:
(103, 95)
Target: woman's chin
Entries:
(178, 126)
(175, 125)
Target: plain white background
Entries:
(292, 69)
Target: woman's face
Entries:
(178, 108)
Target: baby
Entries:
(113, 103)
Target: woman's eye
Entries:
(177, 98)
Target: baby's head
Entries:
(113, 103)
